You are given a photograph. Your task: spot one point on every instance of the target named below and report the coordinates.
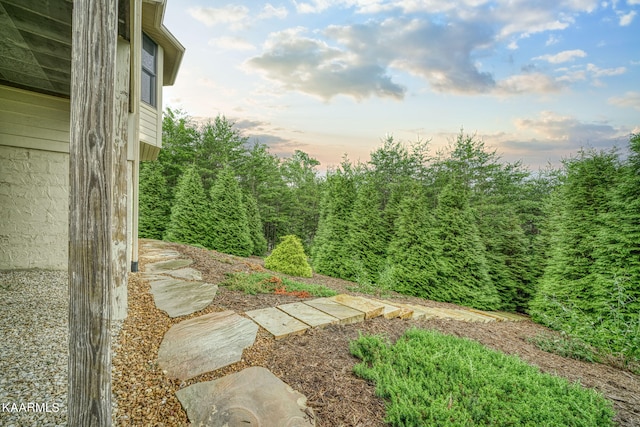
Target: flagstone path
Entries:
(254, 396)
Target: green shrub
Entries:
(433, 379)
(266, 283)
(565, 346)
(289, 258)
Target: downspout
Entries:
(136, 70)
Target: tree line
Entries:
(460, 225)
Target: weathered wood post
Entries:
(90, 168)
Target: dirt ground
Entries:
(318, 363)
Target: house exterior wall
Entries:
(34, 206)
(34, 180)
(151, 119)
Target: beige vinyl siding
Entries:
(33, 120)
(148, 124)
(151, 119)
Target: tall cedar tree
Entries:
(260, 176)
(188, 222)
(219, 146)
(496, 196)
(289, 258)
(464, 278)
(330, 252)
(618, 260)
(570, 295)
(153, 202)
(179, 137)
(229, 227)
(367, 240)
(301, 177)
(414, 252)
(255, 225)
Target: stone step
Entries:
(307, 314)
(252, 397)
(345, 315)
(500, 316)
(179, 297)
(443, 313)
(277, 322)
(369, 307)
(204, 344)
(168, 265)
(392, 311)
(475, 317)
(417, 311)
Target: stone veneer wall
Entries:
(34, 204)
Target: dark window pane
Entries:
(148, 82)
(148, 88)
(149, 54)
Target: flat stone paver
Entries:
(370, 308)
(307, 314)
(185, 273)
(179, 297)
(204, 344)
(278, 323)
(154, 254)
(252, 397)
(345, 315)
(168, 265)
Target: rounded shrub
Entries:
(288, 257)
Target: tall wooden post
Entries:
(90, 167)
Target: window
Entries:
(149, 67)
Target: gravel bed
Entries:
(34, 348)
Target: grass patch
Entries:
(429, 378)
(267, 283)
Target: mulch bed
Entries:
(318, 363)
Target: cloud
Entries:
(234, 16)
(564, 56)
(626, 19)
(313, 67)
(270, 11)
(628, 100)
(528, 83)
(231, 43)
(569, 131)
(605, 72)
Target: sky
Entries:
(534, 80)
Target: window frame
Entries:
(153, 74)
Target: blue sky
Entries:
(535, 80)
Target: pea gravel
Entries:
(34, 348)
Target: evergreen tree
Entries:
(299, 173)
(571, 293)
(219, 146)
(154, 208)
(414, 251)
(188, 221)
(255, 225)
(179, 137)
(464, 277)
(330, 252)
(368, 235)
(260, 176)
(289, 258)
(229, 227)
